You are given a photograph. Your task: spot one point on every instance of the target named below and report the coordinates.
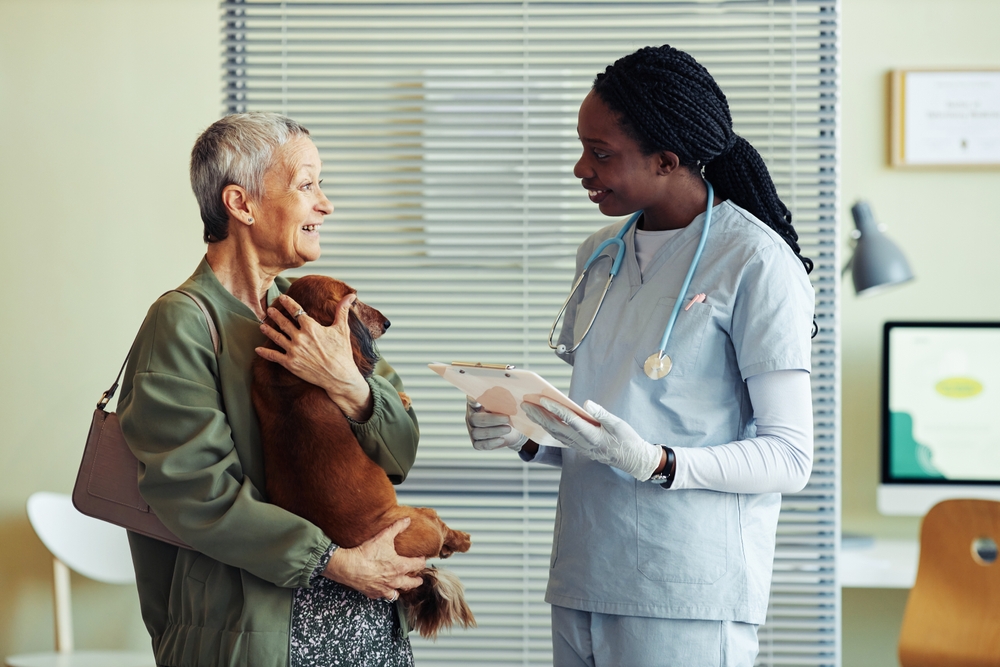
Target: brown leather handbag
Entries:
(107, 485)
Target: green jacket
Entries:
(188, 418)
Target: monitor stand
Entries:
(917, 499)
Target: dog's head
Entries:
(319, 296)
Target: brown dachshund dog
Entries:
(315, 468)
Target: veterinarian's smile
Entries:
(596, 196)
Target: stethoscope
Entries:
(658, 364)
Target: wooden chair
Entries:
(952, 616)
(93, 548)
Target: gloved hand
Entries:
(490, 430)
(613, 443)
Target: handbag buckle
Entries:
(107, 396)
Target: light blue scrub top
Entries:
(634, 548)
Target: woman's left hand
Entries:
(374, 568)
(320, 355)
(613, 443)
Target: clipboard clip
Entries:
(496, 367)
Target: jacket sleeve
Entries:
(390, 435)
(173, 419)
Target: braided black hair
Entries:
(666, 100)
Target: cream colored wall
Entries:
(100, 101)
(947, 225)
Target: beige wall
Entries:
(100, 101)
(946, 225)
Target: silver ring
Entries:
(395, 596)
(298, 312)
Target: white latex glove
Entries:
(613, 443)
(491, 430)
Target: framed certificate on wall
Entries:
(945, 118)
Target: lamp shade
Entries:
(877, 263)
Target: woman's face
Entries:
(618, 177)
(287, 219)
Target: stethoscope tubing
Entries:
(619, 242)
(690, 273)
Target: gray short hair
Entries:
(235, 150)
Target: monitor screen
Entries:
(940, 408)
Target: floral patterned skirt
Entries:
(333, 625)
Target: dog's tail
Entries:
(437, 604)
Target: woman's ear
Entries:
(237, 203)
(668, 162)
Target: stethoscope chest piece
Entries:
(657, 365)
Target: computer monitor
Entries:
(940, 414)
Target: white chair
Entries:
(93, 548)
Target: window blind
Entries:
(448, 134)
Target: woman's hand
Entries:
(613, 443)
(374, 568)
(320, 355)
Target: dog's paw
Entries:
(455, 542)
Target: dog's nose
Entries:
(385, 326)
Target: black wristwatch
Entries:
(666, 476)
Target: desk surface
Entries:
(883, 563)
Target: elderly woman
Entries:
(260, 587)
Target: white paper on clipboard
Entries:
(502, 390)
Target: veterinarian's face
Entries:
(289, 216)
(613, 169)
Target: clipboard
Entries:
(502, 389)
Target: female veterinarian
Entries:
(260, 587)
(667, 511)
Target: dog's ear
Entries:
(363, 345)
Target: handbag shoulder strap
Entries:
(212, 331)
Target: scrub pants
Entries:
(585, 639)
